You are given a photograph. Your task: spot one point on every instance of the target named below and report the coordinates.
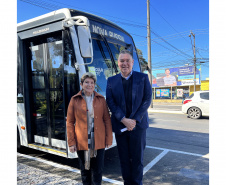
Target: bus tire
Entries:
(18, 141)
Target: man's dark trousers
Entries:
(131, 145)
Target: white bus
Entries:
(54, 51)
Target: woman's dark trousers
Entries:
(93, 176)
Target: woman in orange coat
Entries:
(89, 129)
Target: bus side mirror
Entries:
(85, 42)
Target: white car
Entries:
(196, 105)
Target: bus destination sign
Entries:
(106, 32)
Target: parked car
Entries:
(196, 105)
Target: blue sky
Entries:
(171, 23)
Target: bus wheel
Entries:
(18, 141)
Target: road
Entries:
(176, 152)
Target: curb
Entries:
(164, 111)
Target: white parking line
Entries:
(65, 167)
(153, 162)
(165, 151)
(177, 151)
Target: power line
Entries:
(172, 63)
(167, 21)
(169, 37)
(158, 39)
(178, 63)
(140, 24)
(35, 4)
(144, 25)
(166, 60)
(207, 49)
(129, 24)
(164, 54)
(171, 50)
(198, 52)
(42, 4)
(171, 45)
(57, 7)
(137, 35)
(120, 22)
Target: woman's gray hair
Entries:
(88, 75)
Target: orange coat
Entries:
(77, 128)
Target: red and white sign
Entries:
(179, 92)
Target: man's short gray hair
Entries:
(124, 51)
(88, 75)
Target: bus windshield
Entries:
(107, 42)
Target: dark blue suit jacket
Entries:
(141, 100)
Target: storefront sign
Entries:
(158, 92)
(162, 92)
(179, 92)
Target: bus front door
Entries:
(46, 94)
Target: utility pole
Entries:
(149, 46)
(194, 60)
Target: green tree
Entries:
(142, 60)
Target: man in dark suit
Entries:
(128, 96)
